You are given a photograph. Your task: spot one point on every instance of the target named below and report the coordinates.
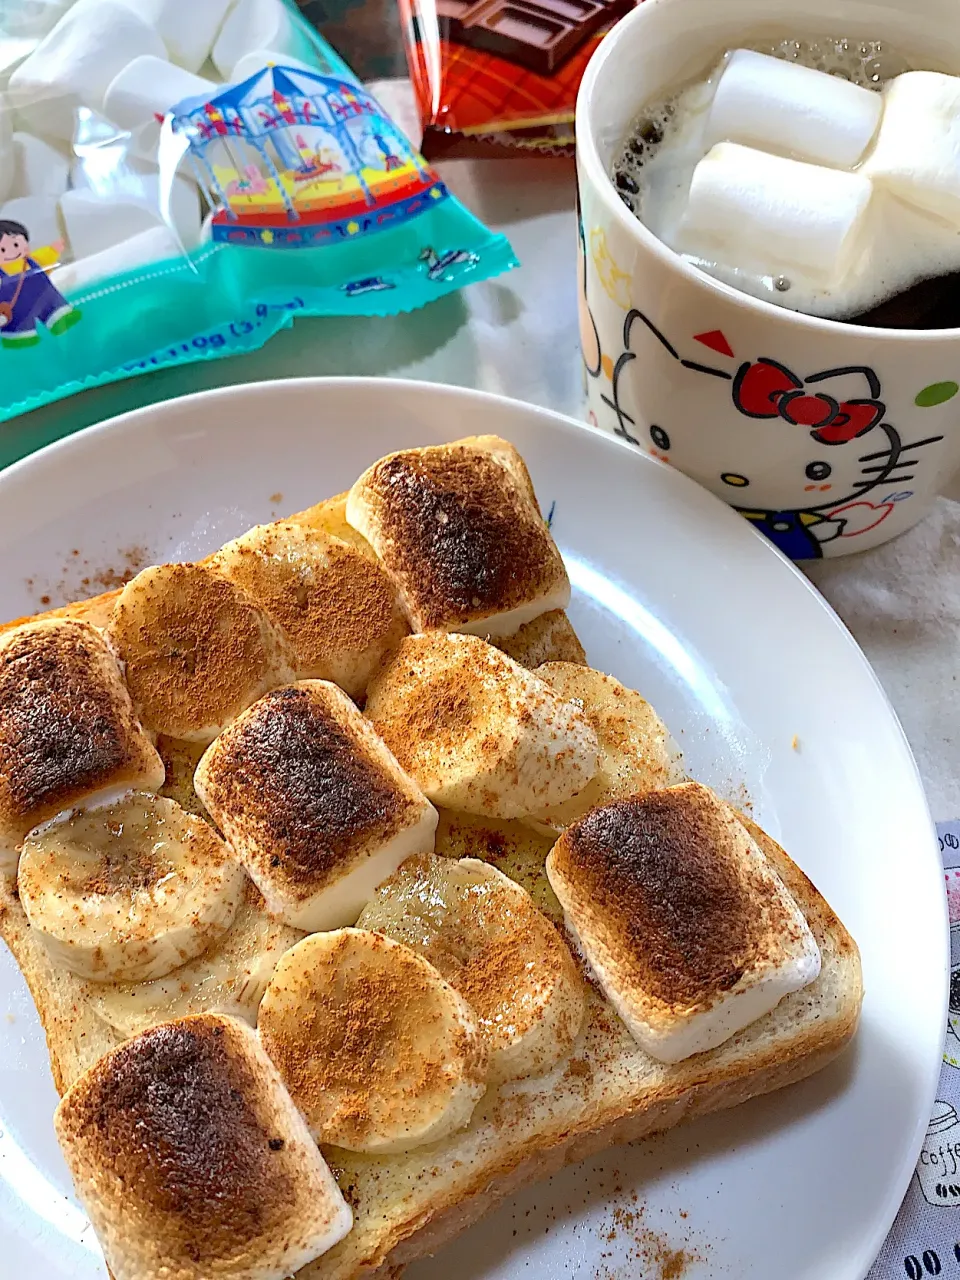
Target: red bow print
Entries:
(766, 389)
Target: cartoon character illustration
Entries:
(442, 266)
(27, 296)
(833, 408)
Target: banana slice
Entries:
(197, 649)
(129, 891)
(378, 1052)
(637, 753)
(230, 977)
(330, 516)
(478, 732)
(484, 935)
(336, 605)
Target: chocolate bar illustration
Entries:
(539, 34)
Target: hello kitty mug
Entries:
(830, 438)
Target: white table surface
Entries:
(517, 335)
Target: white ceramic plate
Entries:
(679, 598)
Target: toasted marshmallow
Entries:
(192, 1161)
(196, 649)
(313, 804)
(458, 528)
(689, 931)
(917, 152)
(336, 606)
(478, 732)
(68, 732)
(771, 215)
(782, 106)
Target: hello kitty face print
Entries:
(841, 466)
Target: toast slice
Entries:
(608, 1092)
(405, 1206)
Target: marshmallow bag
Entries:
(180, 178)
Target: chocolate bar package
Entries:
(495, 75)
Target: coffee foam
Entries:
(902, 245)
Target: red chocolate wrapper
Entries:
(501, 75)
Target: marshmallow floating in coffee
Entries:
(917, 153)
(770, 215)
(766, 102)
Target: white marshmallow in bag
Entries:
(39, 169)
(770, 215)
(765, 102)
(188, 28)
(73, 66)
(917, 152)
(6, 150)
(94, 221)
(154, 246)
(251, 64)
(31, 18)
(149, 87)
(13, 51)
(254, 24)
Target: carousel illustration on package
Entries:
(294, 158)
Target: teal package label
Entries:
(318, 205)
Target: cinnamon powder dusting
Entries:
(196, 648)
(345, 1023)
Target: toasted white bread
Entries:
(607, 1091)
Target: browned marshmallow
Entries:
(192, 1161)
(68, 732)
(336, 605)
(477, 731)
(689, 930)
(313, 804)
(458, 528)
(196, 649)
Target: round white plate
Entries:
(771, 701)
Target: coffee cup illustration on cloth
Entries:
(938, 1169)
(828, 435)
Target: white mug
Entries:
(829, 437)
